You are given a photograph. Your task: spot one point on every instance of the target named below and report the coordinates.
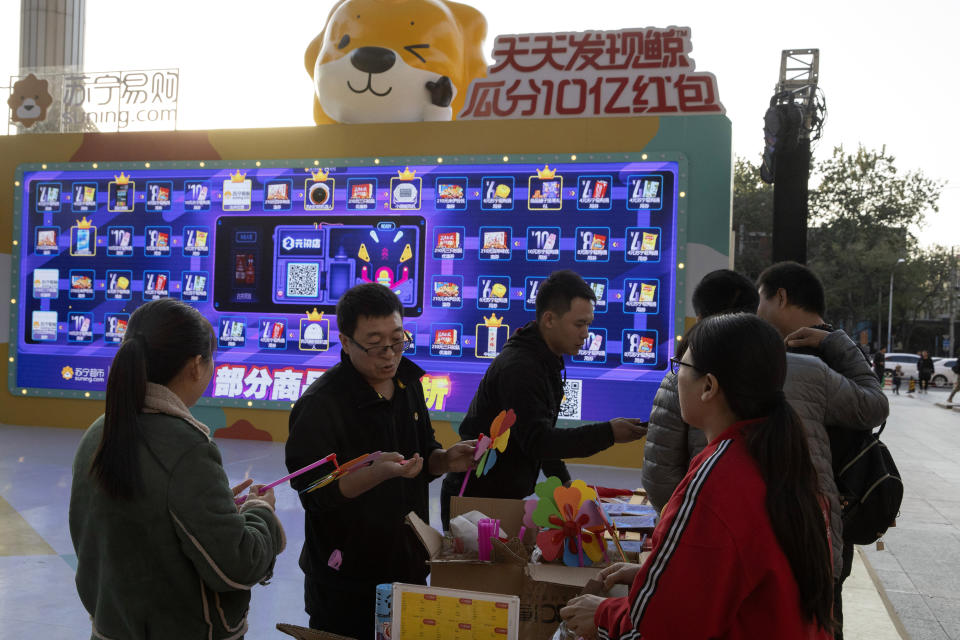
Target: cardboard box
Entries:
(543, 588)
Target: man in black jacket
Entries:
(527, 377)
(371, 401)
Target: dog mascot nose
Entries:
(373, 59)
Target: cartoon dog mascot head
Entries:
(395, 60)
(29, 101)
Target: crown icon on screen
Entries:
(406, 174)
(83, 223)
(546, 173)
(319, 175)
(314, 315)
(237, 177)
(493, 321)
(122, 178)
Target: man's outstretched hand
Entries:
(628, 429)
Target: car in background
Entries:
(907, 362)
(943, 376)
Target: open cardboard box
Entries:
(543, 588)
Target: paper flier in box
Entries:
(551, 189)
(646, 344)
(89, 194)
(649, 241)
(121, 326)
(163, 239)
(450, 240)
(123, 283)
(494, 239)
(550, 242)
(161, 282)
(647, 292)
(446, 337)
(498, 290)
(492, 339)
(277, 330)
(599, 242)
(502, 191)
(47, 238)
(600, 189)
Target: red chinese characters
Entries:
(595, 73)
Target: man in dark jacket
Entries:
(372, 401)
(880, 363)
(527, 376)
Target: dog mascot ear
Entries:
(395, 60)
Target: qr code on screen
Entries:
(570, 405)
(303, 280)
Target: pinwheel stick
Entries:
(313, 465)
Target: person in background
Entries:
(925, 370)
(671, 443)
(879, 363)
(897, 377)
(956, 385)
(741, 549)
(527, 376)
(372, 400)
(162, 549)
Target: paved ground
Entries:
(918, 574)
(920, 566)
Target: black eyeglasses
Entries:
(676, 363)
(381, 350)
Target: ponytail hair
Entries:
(748, 358)
(161, 337)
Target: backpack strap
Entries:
(882, 427)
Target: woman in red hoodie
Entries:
(741, 549)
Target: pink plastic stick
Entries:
(463, 487)
(313, 465)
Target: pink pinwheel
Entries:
(573, 526)
(487, 446)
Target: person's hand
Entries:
(459, 457)
(267, 496)
(805, 337)
(392, 465)
(237, 490)
(628, 429)
(579, 613)
(618, 573)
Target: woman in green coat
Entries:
(162, 549)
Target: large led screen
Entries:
(266, 252)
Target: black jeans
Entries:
(346, 611)
(838, 587)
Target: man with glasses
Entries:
(371, 401)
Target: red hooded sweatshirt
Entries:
(716, 570)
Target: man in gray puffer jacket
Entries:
(671, 443)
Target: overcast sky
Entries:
(887, 68)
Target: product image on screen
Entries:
(266, 253)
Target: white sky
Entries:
(887, 68)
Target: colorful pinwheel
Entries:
(571, 522)
(487, 447)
